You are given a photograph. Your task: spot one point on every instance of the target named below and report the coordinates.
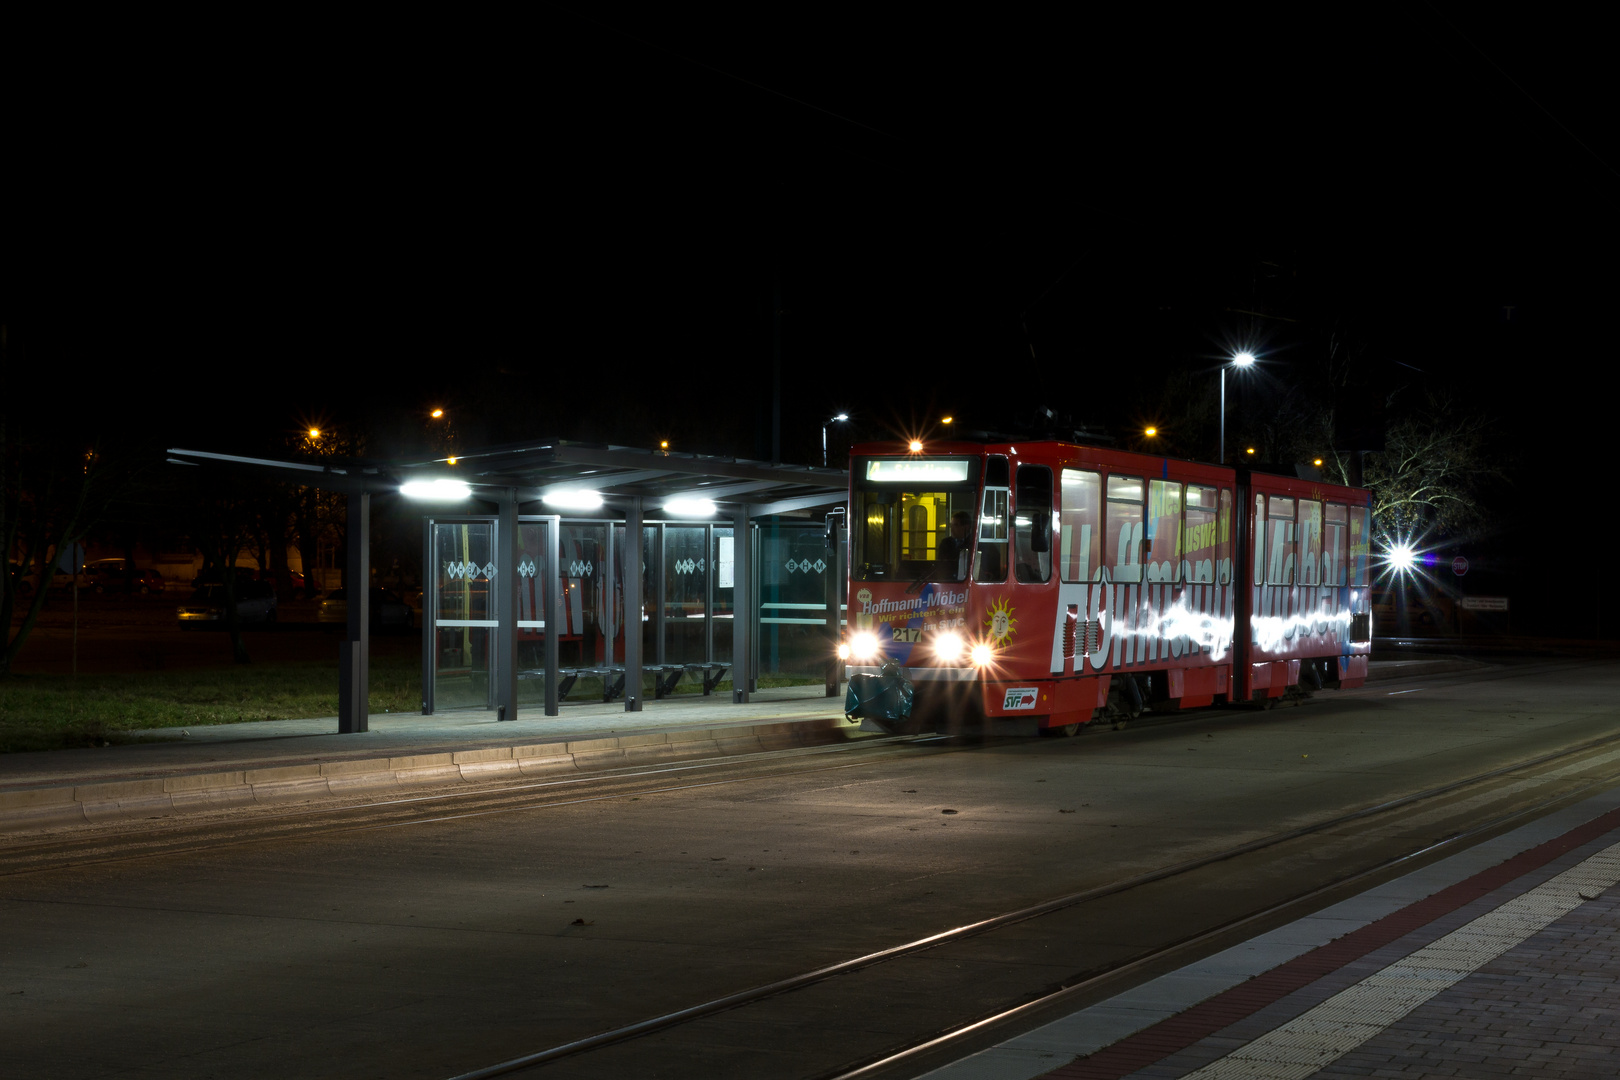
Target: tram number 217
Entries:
(907, 633)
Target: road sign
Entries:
(72, 560)
(1459, 566)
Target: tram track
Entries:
(123, 841)
(1073, 909)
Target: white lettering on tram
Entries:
(1161, 620)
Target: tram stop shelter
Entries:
(532, 589)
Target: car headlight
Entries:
(863, 646)
(948, 646)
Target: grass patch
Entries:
(55, 712)
(50, 712)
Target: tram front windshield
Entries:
(901, 527)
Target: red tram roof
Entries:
(1058, 454)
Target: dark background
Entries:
(576, 225)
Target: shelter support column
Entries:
(837, 589)
(430, 607)
(551, 606)
(505, 587)
(742, 608)
(631, 563)
(354, 653)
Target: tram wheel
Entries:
(1065, 731)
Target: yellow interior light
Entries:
(451, 461)
(1152, 431)
(436, 413)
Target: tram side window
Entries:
(1163, 529)
(990, 556)
(1079, 542)
(1310, 542)
(1032, 525)
(1223, 543)
(1123, 529)
(1359, 537)
(1335, 534)
(1279, 541)
(1199, 535)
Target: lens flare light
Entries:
(863, 646)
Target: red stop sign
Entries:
(1459, 566)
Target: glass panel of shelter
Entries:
(463, 612)
(794, 565)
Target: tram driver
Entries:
(953, 550)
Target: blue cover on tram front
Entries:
(884, 696)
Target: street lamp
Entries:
(1241, 360)
(840, 418)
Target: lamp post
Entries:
(1241, 360)
(840, 418)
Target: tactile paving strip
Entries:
(1351, 1017)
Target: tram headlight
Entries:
(843, 650)
(948, 646)
(863, 646)
(981, 655)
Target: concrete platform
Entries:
(1499, 961)
(171, 771)
(226, 765)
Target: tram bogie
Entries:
(1041, 586)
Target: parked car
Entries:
(61, 580)
(295, 580)
(107, 575)
(255, 603)
(387, 608)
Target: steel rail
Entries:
(870, 1068)
(1045, 907)
(271, 826)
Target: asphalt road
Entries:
(431, 944)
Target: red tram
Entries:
(1048, 584)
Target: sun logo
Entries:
(1001, 623)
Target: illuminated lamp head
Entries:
(915, 446)
(948, 647)
(1401, 558)
(982, 655)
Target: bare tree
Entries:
(1432, 474)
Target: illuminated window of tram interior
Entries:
(990, 554)
(1123, 529)
(1078, 521)
(1359, 537)
(926, 520)
(1032, 525)
(900, 532)
(1200, 534)
(1278, 549)
(1310, 542)
(1164, 530)
(1335, 535)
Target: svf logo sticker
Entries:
(1019, 697)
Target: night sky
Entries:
(575, 224)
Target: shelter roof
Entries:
(535, 470)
